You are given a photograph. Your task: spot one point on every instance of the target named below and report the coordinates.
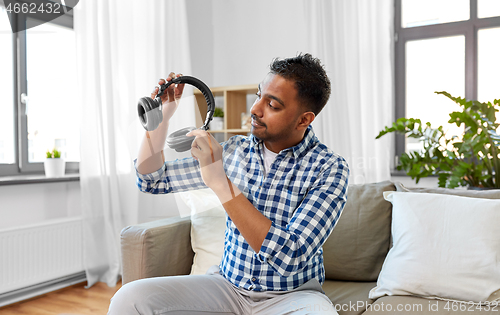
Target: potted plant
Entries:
(471, 159)
(54, 165)
(217, 122)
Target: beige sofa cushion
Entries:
(356, 249)
(349, 298)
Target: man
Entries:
(283, 192)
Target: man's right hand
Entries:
(170, 98)
(173, 93)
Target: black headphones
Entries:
(150, 113)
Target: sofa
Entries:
(354, 255)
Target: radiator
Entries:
(40, 253)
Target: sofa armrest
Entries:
(156, 249)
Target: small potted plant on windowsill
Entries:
(470, 160)
(217, 122)
(54, 165)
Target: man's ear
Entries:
(305, 120)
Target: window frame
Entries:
(468, 28)
(22, 166)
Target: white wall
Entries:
(249, 34)
(33, 203)
(201, 37)
(236, 43)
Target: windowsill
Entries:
(37, 179)
(403, 174)
(398, 173)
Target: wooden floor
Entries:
(74, 300)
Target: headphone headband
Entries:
(204, 89)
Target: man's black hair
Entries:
(312, 83)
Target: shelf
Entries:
(247, 88)
(234, 103)
(230, 131)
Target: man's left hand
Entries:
(208, 152)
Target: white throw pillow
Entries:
(208, 223)
(445, 247)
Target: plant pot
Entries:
(217, 123)
(54, 167)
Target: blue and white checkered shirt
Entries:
(303, 195)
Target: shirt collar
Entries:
(298, 150)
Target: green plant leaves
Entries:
(471, 161)
(54, 154)
(218, 112)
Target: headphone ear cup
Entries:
(142, 110)
(179, 141)
(149, 113)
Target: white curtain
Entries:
(124, 47)
(354, 39)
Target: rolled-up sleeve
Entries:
(288, 249)
(171, 177)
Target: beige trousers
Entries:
(213, 294)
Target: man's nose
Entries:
(256, 108)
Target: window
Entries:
(444, 45)
(38, 90)
(7, 134)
